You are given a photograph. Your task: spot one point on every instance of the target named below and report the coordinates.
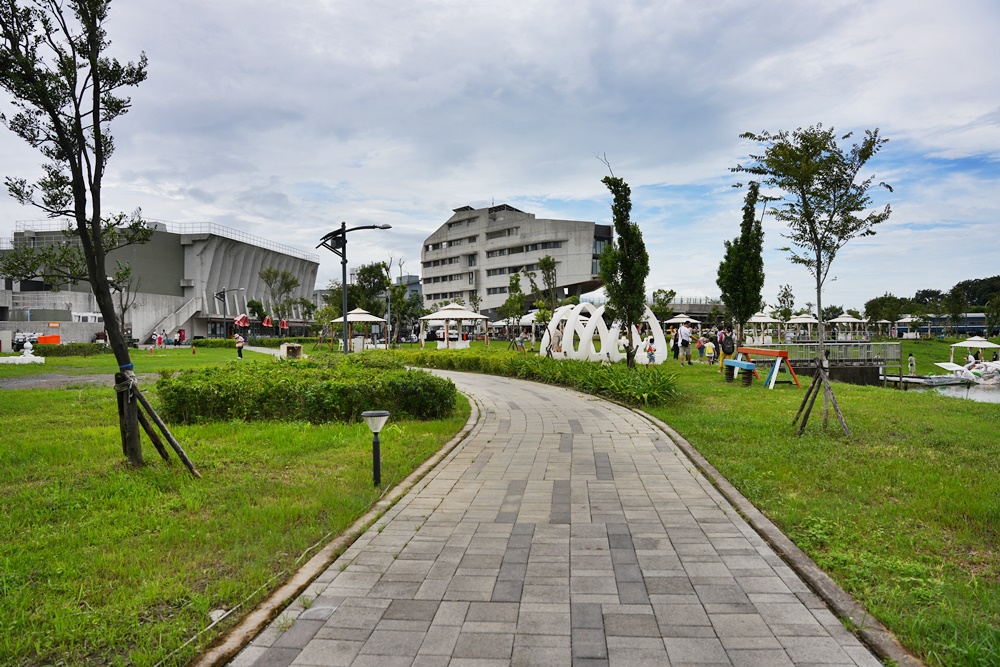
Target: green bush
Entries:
(644, 386)
(274, 342)
(302, 391)
(71, 350)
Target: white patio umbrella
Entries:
(450, 313)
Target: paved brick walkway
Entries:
(564, 530)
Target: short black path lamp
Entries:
(376, 420)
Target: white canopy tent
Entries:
(973, 343)
(360, 315)
(851, 322)
(807, 320)
(450, 313)
(760, 322)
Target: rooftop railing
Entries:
(175, 228)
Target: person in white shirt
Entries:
(684, 334)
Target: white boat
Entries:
(980, 372)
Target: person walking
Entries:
(709, 351)
(675, 345)
(684, 334)
(912, 364)
(239, 346)
(727, 345)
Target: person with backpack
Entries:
(727, 345)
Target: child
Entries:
(709, 350)
(650, 351)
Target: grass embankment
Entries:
(101, 564)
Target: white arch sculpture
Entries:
(572, 316)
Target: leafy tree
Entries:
(979, 291)
(831, 312)
(886, 307)
(854, 312)
(992, 312)
(955, 306)
(512, 309)
(256, 309)
(624, 266)
(662, 298)
(307, 306)
(824, 204)
(66, 89)
(372, 283)
(280, 286)
(550, 292)
(786, 304)
(741, 272)
(926, 297)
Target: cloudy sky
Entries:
(282, 119)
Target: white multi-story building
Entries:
(476, 251)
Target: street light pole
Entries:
(336, 242)
(221, 296)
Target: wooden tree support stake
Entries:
(166, 433)
(820, 381)
(153, 437)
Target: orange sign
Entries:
(53, 325)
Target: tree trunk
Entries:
(129, 414)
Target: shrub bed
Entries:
(71, 350)
(302, 391)
(645, 386)
(257, 342)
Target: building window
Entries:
(454, 243)
(472, 260)
(496, 290)
(600, 245)
(496, 272)
(502, 252)
(501, 233)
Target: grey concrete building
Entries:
(178, 273)
(476, 251)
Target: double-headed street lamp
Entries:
(221, 296)
(336, 242)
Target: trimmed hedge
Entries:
(71, 350)
(302, 391)
(257, 342)
(644, 386)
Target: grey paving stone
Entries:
(631, 625)
(277, 657)
(328, 653)
(299, 634)
(497, 646)
(393, 642)
(700, 650)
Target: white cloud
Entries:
(282, 119)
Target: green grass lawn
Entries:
(102, 564)
(169, 359)
(905, 515)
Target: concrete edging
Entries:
(237, 637)
(867, 628)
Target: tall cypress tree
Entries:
(741, 273)
(624, 266)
